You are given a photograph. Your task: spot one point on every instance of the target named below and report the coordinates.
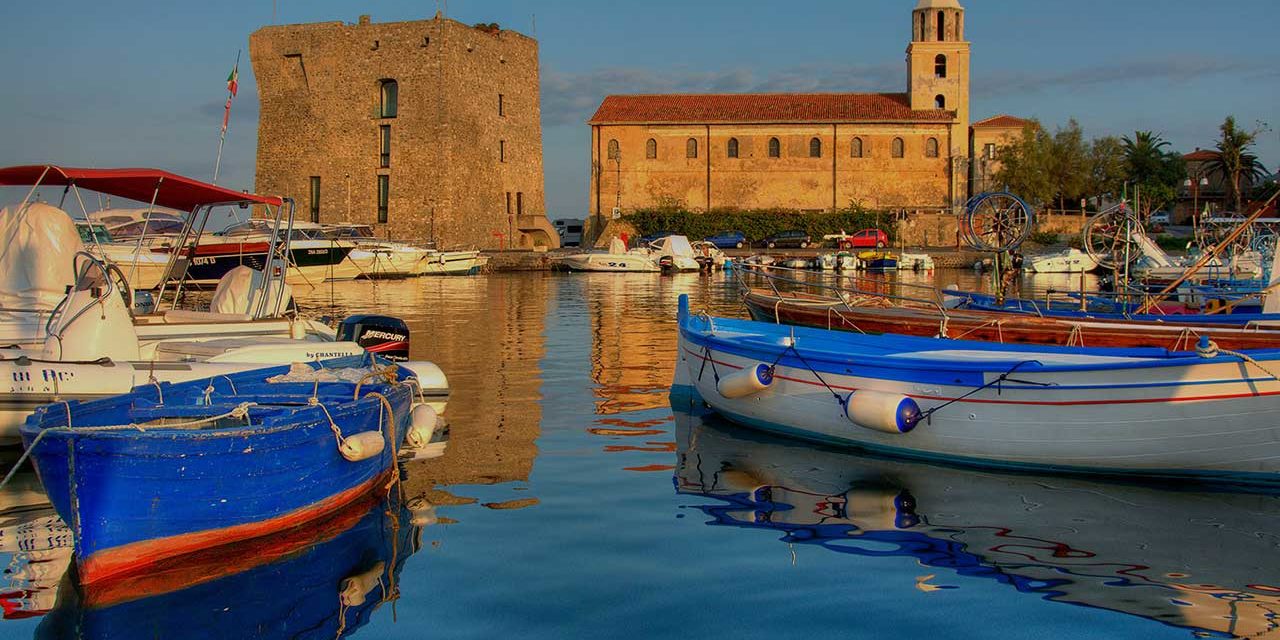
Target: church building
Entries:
(815, 152)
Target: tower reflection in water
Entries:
(1201, 560)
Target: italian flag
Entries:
(233, 80)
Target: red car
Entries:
(867, 238)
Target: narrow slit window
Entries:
(502, 151)
(384, 146)
(384, 197)
(651, 149)
(940, 66)
(501, 107)
(855, 148)
(899, 148)
(815, 148)
(732, 148)
(775, 148)
(388, 99)
(614, 152)
(315, 198)
(691, 148)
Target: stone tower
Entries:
(938, 75)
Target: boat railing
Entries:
(931, 298)
(105, 268)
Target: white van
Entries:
(570, 230)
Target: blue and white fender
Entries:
(882, 411)
(745, 382)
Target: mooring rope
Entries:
(928, 415)
(1211, 349)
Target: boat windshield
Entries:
(154, 227)
(263, 228)
(93, 233)
(350, 232)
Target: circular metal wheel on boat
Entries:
(996, 221)
(1217, 228)
(1109, 238)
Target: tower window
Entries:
(614, 153)
(855, 148)
(519, 203)
(651, 149)
(502, 151)
(899, 149)
(388, 97)
(940, 101)
(501, 111)
(989, 151)
(940, 66)
(315, 198)
(384, 146)
(815, 148)
(775, 148)
(921, 37)
(691, 148)
(384, 197)
(732, 150)
(931, 148)
(942, 26)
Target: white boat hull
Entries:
(610, 262)
(1071, 261)
(1218, 416)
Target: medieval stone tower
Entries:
(938, 73)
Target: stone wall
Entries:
(456, 161)
(941, 230)
(795, 180)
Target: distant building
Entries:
(985, 139)
(429, 130)
(799, 151)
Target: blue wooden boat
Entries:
(171, 469)
(325, 580)
(1103, 309)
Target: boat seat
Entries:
(183, 315)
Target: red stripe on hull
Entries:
(140, 557)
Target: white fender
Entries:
(882, 411)
(740, 384)
(422, 425)
(881, 508)
(356, 588)
(362, 446)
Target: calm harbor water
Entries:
(576, 499)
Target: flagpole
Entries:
(217, 164)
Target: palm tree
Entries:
(1235, 164)
(1144, 153)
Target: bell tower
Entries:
(938, 75)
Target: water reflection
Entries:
(38, 545)
(324, 580)
(1203, 561)
(487, 334)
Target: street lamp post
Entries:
(1194, 183)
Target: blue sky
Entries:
(140, 82)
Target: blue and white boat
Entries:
(171, 469)
(1098, 307)
(1098, 410)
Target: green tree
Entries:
(1154, 169)
(1107, 168)
(1024, 165)
(1068, 163)
(1237, 166)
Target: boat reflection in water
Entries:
(38, 545)
(1189, 558)
(324, 581)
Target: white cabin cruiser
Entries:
(617, 260)
(314, 256)
(377, 258)
(463, 262)
(674, 253)
(1071, 260)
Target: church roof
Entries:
(1201, 155)
(1002, 121)
(938, 4)
(763, 108)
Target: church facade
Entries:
(903, 151)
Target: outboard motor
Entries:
(383, 335)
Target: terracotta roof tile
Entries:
(1201, 155)
(763, 107)
(1002, 120)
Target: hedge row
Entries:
(757, 223)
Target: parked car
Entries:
(644, 240)
(865, 239)
(570, 230)
(793, 238)
(729, 240)
(1160, 217)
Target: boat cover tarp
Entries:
(38, 244)
(175, 191)
(677, 246)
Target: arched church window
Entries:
(899, 149)
(775, 148)
(732, 150)
(940, 102)
(815, 148)
(855, 148)
(651, 149)
(931, 148)
(388, 96)
(942, 26)
(614, 153)
(940, 66)
(691, 148)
